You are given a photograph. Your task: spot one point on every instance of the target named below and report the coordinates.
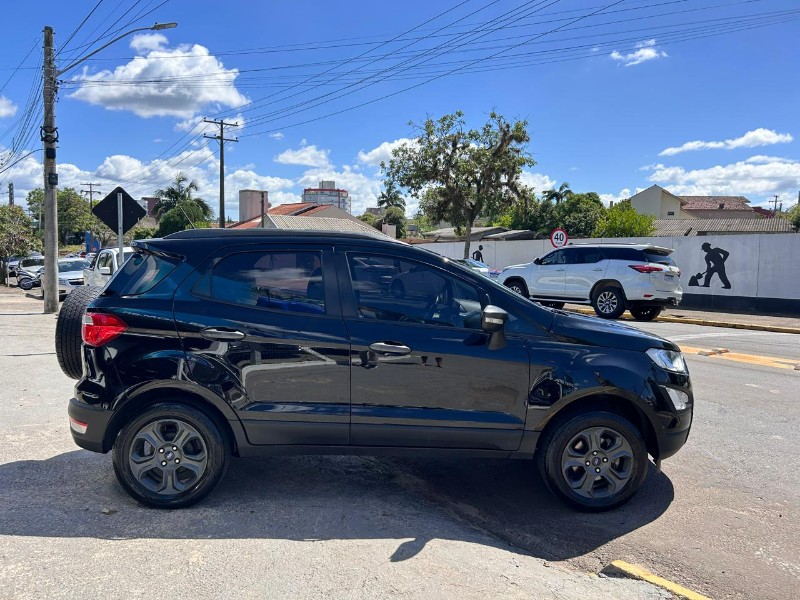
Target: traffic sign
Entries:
(107, 211)
(558, 237)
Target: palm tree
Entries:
(179, 191)
(390, 197)
(562, 193)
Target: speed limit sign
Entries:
(558, 237)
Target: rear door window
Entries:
(284, 281)
(659, 258)
(141, 273)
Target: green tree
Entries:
(390, 197)
(579, 214)
(74, 216)
(179, 191)
(370, 220)
(460, 174)
(794, 216)
(396, 216)
(142, 233)
(558, 195)
(16, 235)
(185, 215)
(622, 220)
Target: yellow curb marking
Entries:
(764, 361)
(645, 575)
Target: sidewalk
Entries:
(734, 320)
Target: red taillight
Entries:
(646, 268)
(101, 328)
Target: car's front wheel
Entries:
(645, 313)
(608, 302)
(593, 461)
(171, 456)
(517, 286)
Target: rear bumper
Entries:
(96, 421)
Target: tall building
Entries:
(327, 193)
(250, 203)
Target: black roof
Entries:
(258, 233)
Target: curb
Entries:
(709, 323)
(620, 568)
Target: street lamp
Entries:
(49, 135)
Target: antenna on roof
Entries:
(188, 220)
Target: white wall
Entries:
(759, 265)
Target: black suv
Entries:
(212, 343)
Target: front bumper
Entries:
(95, 419)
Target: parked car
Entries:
(29, 266)
(13, 262)
(479, 267)
(100, 269)
(611, 277)
(70, 275)
(203, 346)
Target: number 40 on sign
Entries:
(558, 237)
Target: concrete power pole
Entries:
(49, 136)
(222, 139)
(11, 193)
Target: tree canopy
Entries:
(16, 233)
(74, 215)
(180, 190)
(622, 220)
(184, 215)
(459, 173)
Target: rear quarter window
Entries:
(660, 259)
(141, 273)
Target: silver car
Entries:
(70, 275)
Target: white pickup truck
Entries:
(104, 265)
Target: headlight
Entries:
(63, 281)
(668, 359)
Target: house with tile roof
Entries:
(717, 207)
(297, 209)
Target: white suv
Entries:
(611, 277)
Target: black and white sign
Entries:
(558, 237)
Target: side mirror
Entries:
(105, 270)
(537, 261)
(493, 322)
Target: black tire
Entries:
(556, 305)
(553, 453)
(517, 286)
(25, 283)
(68, 330)
(204, 444)
(645, 313)
(608, 302)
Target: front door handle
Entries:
(559, 269)
(598, 269)
(389, 348)
(218, 335)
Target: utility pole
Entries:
(49, 135)
(775, 205)
(11, 193)
(222, 139)
(91, 192)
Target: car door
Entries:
(422, 375)
(584, 268)
(103, 261)
(548, 277)
(262, 327)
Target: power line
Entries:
(78, 28)
(222, 139)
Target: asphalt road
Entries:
(720, 518)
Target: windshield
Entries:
(31, 262)
(72, 265)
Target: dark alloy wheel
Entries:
(608, 302)
(594, 462)
(170, 457)
(645, 313)
(517, 286)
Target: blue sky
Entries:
(698, 96)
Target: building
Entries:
(298, 209)
(148, 203)
(690, 227)
(328, 194)
(663, 204)
(250, 203)
(658, 202)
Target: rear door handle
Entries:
(559, 269)
(228, 335)
(598, 269)
(390, 348)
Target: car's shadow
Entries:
(321, 498)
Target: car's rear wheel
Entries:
(517, 286)
(68, 329)
(170, 457)
(594, 461)
(645, 313)
(608, 302)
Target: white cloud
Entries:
(277, 135)
(382, 153)
(7, 108)
(644, 51)
(623, 194)
(751, 139)
(537, 181)
(177, 82)
(309, 156)
(757, 179)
